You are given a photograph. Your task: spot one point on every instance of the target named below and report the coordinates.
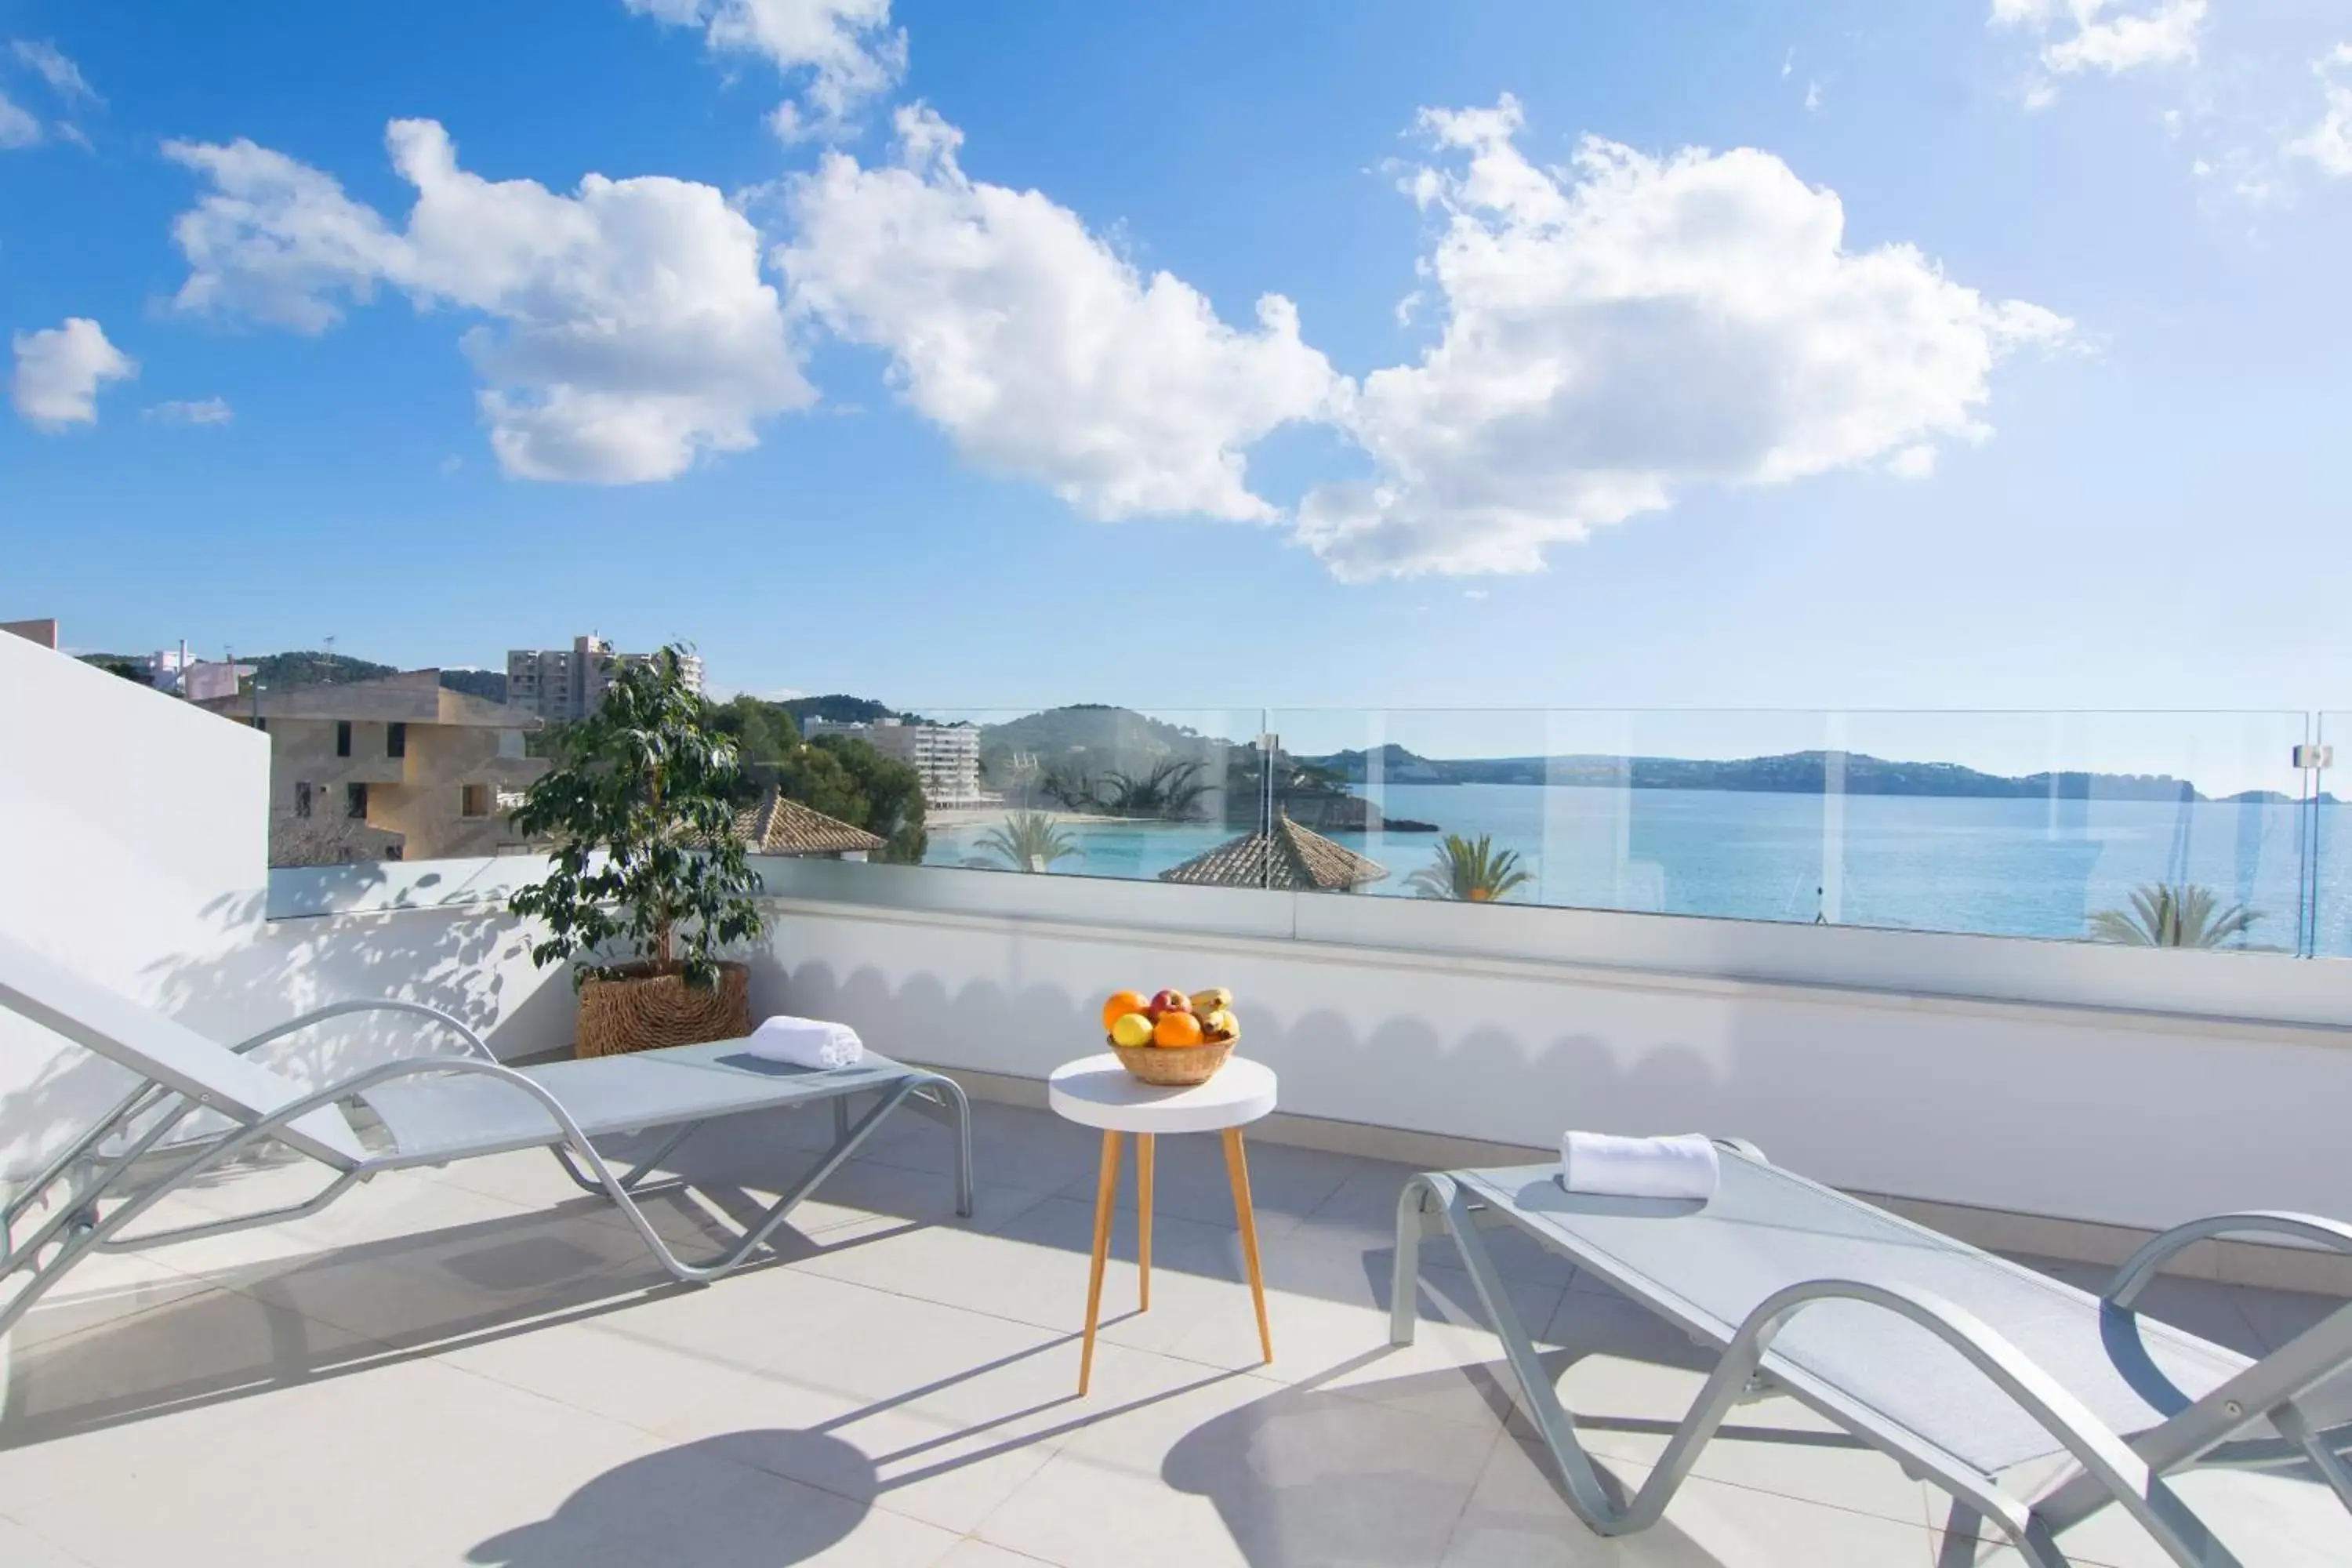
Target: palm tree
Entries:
(1027, 842)
(1171, 791)
(1068, 785)
(1473, 871)
(2163, 914)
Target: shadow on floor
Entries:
(717, 1503)
(1315, 1473)
(695, 1506)
(235, 1333)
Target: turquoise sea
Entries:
(2032, 868)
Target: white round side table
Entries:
(1097, 1091)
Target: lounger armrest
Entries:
(2106, 1460)
(2133, 1276)
(388, 1005)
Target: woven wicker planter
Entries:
(643, 1011)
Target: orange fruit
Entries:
(1122, 1003)
(1176, 1030)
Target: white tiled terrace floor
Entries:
(479, 1367)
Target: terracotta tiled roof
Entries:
(781, 826)
(1287, 857)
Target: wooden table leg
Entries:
(1105, 1200)
(1143, 1214)
(1237, 1167)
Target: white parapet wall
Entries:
(2119, 1086)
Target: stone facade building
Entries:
(396, 769)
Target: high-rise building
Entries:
(946, 757)
(565, 684)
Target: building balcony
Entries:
(476, 1364)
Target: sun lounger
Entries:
(199, 1104)
(1965, 1367)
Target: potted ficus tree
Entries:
(649, 883)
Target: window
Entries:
(395, 739)
(342, 737)
(474, 800)
(355, 802)
(301, 799)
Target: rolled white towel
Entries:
(1603, 1165)
(807, 1042)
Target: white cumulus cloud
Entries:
(2329, 144)
(2111, 35)
(628, 327)
(1621, 329)
(1039, 349)
(60, 370)
(847, 50)
(200, 411)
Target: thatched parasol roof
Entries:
(1286, 856)
(781, 826)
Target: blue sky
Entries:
(1958, 354)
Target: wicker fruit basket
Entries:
(1174, 1066)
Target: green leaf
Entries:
(640, 812)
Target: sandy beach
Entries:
(990, 815)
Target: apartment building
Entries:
(946, 757)
(566, 684)
(396, 769)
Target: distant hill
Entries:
(1793, 773)
(1092, 727)
(490, 684)
(310, 668)
(836, 708)
(280, 671)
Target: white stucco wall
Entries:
(133, 846)
(134, 849)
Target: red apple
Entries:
(1168, 1002)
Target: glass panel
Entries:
(2182, 828)
(2052, 826)
(1106, 792)
(2329, 877)
(1583, 809)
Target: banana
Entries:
(1216, 999)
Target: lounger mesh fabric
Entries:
(1767, 1229)
(428, 1117)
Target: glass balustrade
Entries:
(2211, 830)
